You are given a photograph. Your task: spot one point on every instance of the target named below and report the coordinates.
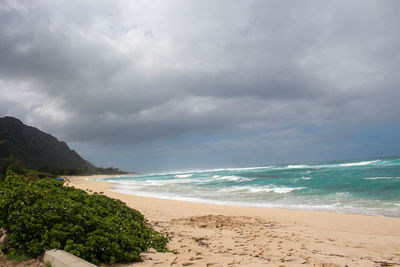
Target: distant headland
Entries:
(27, 148)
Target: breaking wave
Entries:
(364, 186)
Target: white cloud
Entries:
(141, 71)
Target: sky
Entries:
(183, 84)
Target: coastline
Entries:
(217, 235)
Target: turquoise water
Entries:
(360, 186)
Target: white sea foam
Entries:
(245, 199)
(362, 163)
(158, 182)
(184, 180)
(277, 190)
(237, 169)
(184, 175)
(297, 166)
(152, 182)
(305, 166)
(267, 189)
(250, 168)
(183, 172)
(377, 178)
(273, 187)
(381, 178)
(123, 182)
(231, 178)
(235, 189)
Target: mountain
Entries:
(37, 150)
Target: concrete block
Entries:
(61, 258)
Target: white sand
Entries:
(216, 235)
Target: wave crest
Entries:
(297, 166)
(263, 189)
(183, 175)
(362, 163)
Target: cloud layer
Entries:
(134, 72)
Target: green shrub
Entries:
(44, 214)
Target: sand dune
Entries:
(214, 235)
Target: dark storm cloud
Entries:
(138, 72)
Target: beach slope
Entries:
(216, 235)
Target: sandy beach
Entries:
(216, 235)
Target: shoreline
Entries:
(220, 235)
(236, 204)
(247, 205)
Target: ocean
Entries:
(369, 186)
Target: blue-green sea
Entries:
(369, 186)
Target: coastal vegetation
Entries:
(42, 214)
(38, 213)
(28, 149)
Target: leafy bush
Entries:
(44, 214)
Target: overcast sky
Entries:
(177, 85)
